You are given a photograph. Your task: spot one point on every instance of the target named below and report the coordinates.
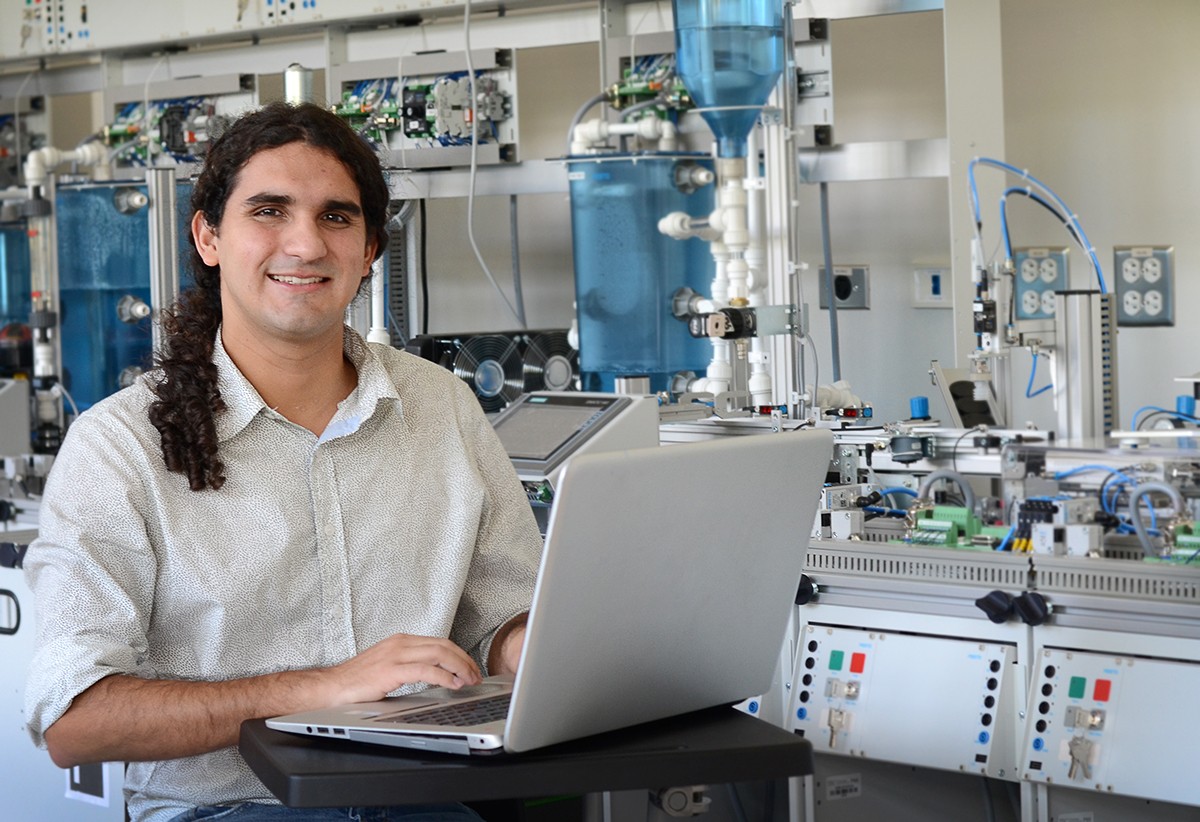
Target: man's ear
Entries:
(205, 237)
(372, 247)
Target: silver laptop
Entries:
(665, 587)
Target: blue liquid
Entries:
(15, 303)
(97, 346)
(730, 66)
(626, 270)
(102, 256)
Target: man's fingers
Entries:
(431, 651)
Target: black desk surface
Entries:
(713, 746)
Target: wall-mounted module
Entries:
(24, 29)
(1096, 721)
(434, 114)
(177, 128)
(957, 709)
(171, 121)
(651, 77)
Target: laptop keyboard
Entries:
(484, 710)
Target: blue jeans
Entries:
(254, 811)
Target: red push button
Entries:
(857, 663)
(1102, 690)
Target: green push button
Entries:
(835, 660)
(1078, 687)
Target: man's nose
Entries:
(304, 240)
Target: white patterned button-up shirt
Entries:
(404, 516)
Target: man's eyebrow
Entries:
(347, 206)
(267, 198)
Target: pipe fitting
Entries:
(39, 162)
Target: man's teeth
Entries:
(296, 280)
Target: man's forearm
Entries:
(123, 718)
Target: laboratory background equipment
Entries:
(1009, 521)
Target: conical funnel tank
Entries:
(729, 54)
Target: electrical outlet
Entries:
(1145, 278)
(931, 288)
(1039, 273)
(850, 286)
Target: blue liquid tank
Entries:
(103, 256)
(626, 271)
(16, 350)
(15, 303)
(729, 54)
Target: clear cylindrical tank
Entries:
(729, 56)
(626, 271)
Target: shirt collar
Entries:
(243, 402)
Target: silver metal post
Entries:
(1085, 364)
(164, 245)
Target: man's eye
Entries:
(336, 218)
(267, 212)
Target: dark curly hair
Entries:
(188, 399)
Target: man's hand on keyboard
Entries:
(400, 659)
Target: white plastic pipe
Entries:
(679, 225)
(39, 162)
(760, 383)
(594, 133)
(378, 332)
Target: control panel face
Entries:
(920, 700)
(1114, 724)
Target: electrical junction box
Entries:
(1039, 273)
(937, 702)
(1145, 277)
(1113, 724)
(1076, 540)
(845, 523)
(850, 286)
(842, 496)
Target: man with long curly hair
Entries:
(280, 517)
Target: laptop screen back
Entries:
(667, 583)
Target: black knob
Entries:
(997, 605)
(1032, 608)
(807, 591)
